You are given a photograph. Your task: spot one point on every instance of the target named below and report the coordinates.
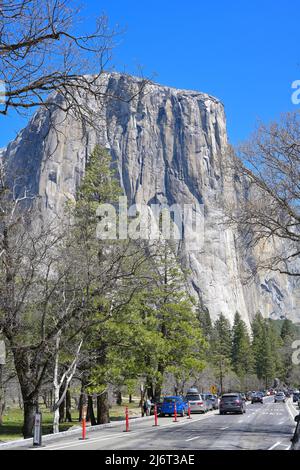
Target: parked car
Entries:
(198, 403)
(168, 406)
(209, 404)
(192, 390)
(296, 396)
(279, 397)
(213, 399)
(257, 397)
(249, 396)
(232, 403)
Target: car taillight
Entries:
(199, 403)
(237, 402)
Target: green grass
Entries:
(117, 412)
(13, 420)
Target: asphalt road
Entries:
(264, 427)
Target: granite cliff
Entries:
(170, 146)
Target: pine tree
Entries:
(205, 322)
(265, 346)
(241, 348)
(287, 330)
(222, 337)
(173, 316)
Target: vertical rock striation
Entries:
(170, 146)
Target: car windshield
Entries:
(171, 399)
(193, 397)
(230, 397)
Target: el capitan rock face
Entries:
(170, 146)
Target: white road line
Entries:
(123, 434)
(294, 406)
(223, 429)
(290, 412)
(86, 441)
(275, 445)
(192, 438)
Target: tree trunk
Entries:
(56, 389)
(90, 411)
(158, 384)
(150, 390)
(130, 398)
(30, 408)
(80, 405)
(56, 421)
(62, 405)
(44, 397)
(68, 407)
(20, 400)
(157, 392)
(2, 395)
(119, 397)
(102, 408)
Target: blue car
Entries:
(168, 406)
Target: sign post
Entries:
(2, 364)
(37, 436)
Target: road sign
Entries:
(213, 389)
(2, 353)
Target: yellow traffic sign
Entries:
(213, 389)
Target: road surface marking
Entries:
(275, 445)
(192, 438)
(223, 429)
(123, 434)
(291, 413)
(86, 441)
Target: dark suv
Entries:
(296, 396)
(257, 397)
(232, 403)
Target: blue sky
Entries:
(246, 53)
